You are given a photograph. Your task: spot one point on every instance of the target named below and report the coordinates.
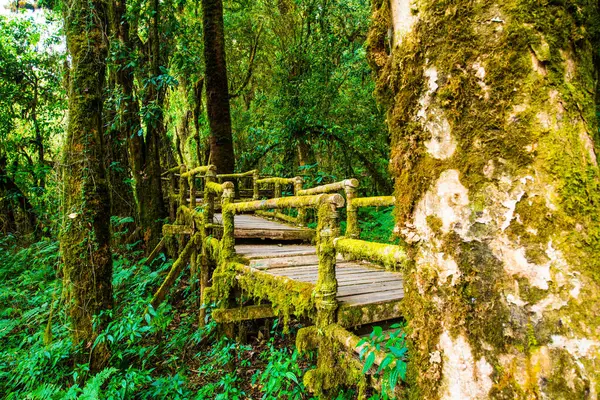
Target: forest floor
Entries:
(155, 353)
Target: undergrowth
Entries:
(154, 353)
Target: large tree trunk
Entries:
(85, 231)
(217, 91)
(143, 152)
(492, 115)
(122, 200)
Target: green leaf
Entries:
(398, 352)
(394, 378)
(401, 367)
(290, 375)
(386, 361)
(377, 331)
(369, 362)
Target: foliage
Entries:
(301, 90)
(32, 100)
(377, 224)
(282, 377)
(393, 367)
(154, 353)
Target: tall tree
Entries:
(85, 231)
(217, 90)
(494, 134)
(144, 157)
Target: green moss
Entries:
(434, 223)
(524, 122)
(392, 257)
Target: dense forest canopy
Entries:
(299, 199)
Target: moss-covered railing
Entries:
(350, 188)
(196, 223)
(336, 364)
(238, 179)
(183, 185)
(278, 184)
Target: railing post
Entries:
(182, 186)
(277, 190)
(228, 240)
(326, 287)
(204, 269)
(351, 189)
(255, 191)
(172, 197)
(192, 185)
(209, 197)
(301, 218)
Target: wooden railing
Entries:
(203, 231)
(327, 230)
(210, 248)
(350, 188)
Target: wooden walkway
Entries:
(255, 268)
(359, 283)
(367, 293)
(254, 227)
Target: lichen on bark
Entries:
(492, 117)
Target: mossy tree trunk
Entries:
(494, 134)
(85, 231)
(144, 158)
(122, 200)
(217, 89)
(118, 118)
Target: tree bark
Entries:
(492, 115)
(144, 156)
(198, 86)
(217, 91)
(85, 232)
(122, 200)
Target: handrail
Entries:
(198, 170)
(214, 187)
(379, 201)
(171, 170)
(276, 180)
(237, 175)
(350, 188)
(288, 202)
(331, 187)
(389, 256)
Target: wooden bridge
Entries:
(249, 248)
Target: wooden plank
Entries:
(284, 262)
(309, 271)
(266, 251)
(284, 234)
(360, 279)
(373, 298)
(344, 291)
(245, 221)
